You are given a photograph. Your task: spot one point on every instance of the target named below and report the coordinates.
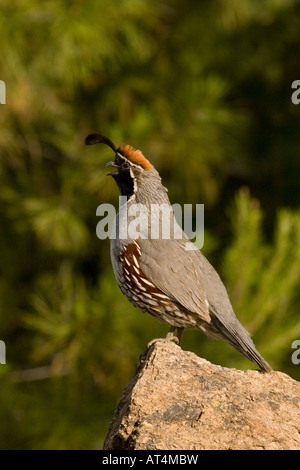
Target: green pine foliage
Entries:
(204, 90)
(263, 278)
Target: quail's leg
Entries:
(179, 333)
(169, 337)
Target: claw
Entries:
(169, 337)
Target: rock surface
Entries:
(178, 401)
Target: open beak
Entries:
(112, 163)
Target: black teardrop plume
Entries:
(92, 139)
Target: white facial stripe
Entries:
(133, 178)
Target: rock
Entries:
(178, 401)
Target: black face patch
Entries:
(125, 182)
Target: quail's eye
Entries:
(125, 166)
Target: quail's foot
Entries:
(169, 337)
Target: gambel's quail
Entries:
(166, 276)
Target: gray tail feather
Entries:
(239, 339)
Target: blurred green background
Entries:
(203, 88)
